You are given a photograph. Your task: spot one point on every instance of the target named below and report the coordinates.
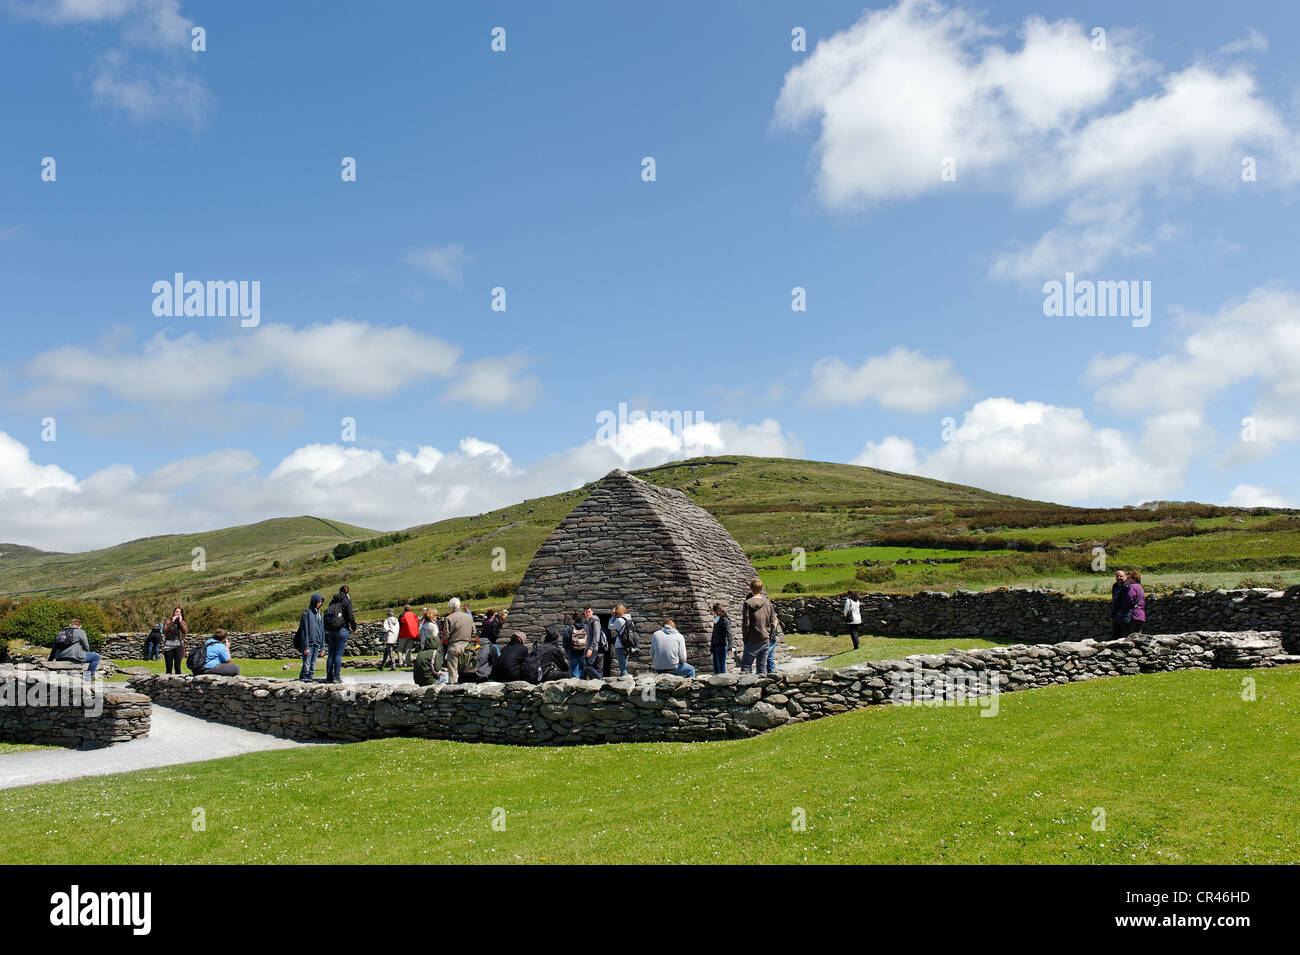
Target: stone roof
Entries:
(651, 548)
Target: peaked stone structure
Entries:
(651, 548)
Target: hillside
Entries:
(908, 533)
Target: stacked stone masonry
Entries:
(58, 708)
(667, 708)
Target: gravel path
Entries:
(174, 738)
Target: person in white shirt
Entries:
(391, 626)
(853, 616)
(668, 651)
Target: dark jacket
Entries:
(349, 621)
(548, 662)
(512, 664)
(75, 653)
(176, 630)
(1118, 592)
(721, 634)
(596, 635)
(428, 663)
(311, 626)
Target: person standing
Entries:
(757, 629)
(408, 636)
(720, 641)
(1118, 597)
(391, 626)
(491, 627)
(1135, 604)
(575, 645)
(623, 630)
(594, 666)
(339, 623)
(430, 634)
(460, 631)
(853, 616)
(310, 637)
(173, 647)
(668, 651)
(153, 642)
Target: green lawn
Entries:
(284, 669)
(1184, 769)
(839, 650)
(21, 747)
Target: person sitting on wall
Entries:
(73, 646)
(548, 661)
(668, 651)
(485, 659)
(430, 665)
(512, 662)
(218, 663)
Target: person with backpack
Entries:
(173, 646)
(668, 651)
(391, 628)
(720, 640)
(757, 629)
(575, 645)
(853, 616)
(71, 645)
(512, 661)
(153, 642)
(339, 622)
(460, 631)
(597, 658)
(217, 660)
(625, 637)
(310, 637)
(548, 660)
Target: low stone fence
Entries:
(1044, 616)
(259, 645)
(61, 709)
(668, 708)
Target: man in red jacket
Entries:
(408, 635)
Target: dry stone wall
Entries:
(1044, 616)
(55, 708)
(667, 708)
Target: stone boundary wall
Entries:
(668, 708)
(1044, 616)
(37, 706)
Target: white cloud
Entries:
(342, 356)
(148, 94)
(447, 262)
(901, 380)
(1052, 120)
(1249, 495)
(1102, 368)
(47, 507)
(1252, 41)
(1036, 450)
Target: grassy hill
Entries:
(1184, 769)
(858, 527)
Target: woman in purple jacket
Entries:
(1135, 603)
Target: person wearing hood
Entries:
(720, 639)
(311, 632)
(391, 626)
(668, 651)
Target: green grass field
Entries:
(1216, 784)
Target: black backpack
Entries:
(198, 658)
(631, 642)
(64, 639)
(334, 618)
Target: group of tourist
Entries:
(1128, 604)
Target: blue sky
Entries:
(522, 169)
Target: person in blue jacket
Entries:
(311, 637)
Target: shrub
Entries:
(875, 575)
(39, 620)
(793, 587)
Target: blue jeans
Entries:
(621, 655)
(151, 649)
(577, 663)
(92, 661)
(335, 644)
(755, 658)
(309, 656)
(771, 655)
(683, 669)
(719, 659)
